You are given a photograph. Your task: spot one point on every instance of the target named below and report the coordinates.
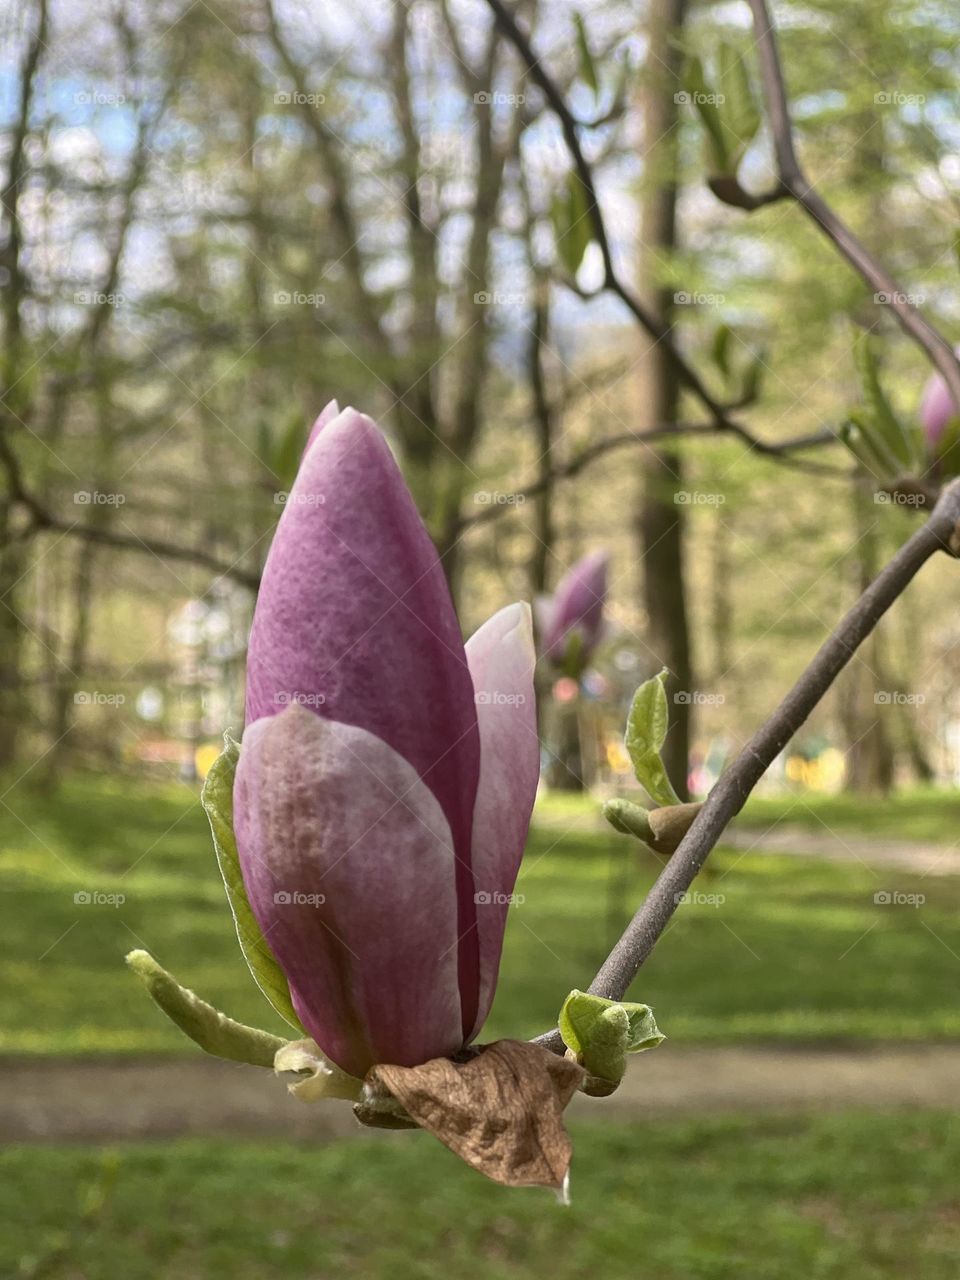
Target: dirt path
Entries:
(922, 856)
(116, 1100)
(910, 855)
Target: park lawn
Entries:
(828, 1197)
(920, 814)
(777, 948)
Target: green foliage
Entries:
(588, 68)
(862, 1196)
(600, 1033)
(781, 917)
(724, 98)
(572, 226)
(647, 724)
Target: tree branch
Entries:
(782, 451)
(43, 520)
(941, 532)
(795, 181)
(685, 374)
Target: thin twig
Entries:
(834, 228)
(940, 532)
(780, 451)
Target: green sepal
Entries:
(217, 801)
(599, 1033)
(647, 725)
(212, 1030)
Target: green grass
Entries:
(842, 1197)
(797, 949)
(920, 814)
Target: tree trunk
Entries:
(660, 526)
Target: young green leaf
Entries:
(588, 68)
(883, 422)
(739, 112)
(600, 1032)
(647, 725)
(704, 99)
(217, 801)
(572, 227)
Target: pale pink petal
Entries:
(501, 658)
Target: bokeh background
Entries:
(215, 218)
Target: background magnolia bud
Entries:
(936, 408)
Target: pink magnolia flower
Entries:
(387, 771)
(571, 620)
(936, 408)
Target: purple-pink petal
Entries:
(577, 606)
(354, 621)
(348, 863)
(502, 658)
(936, 408)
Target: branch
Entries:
(43, 520)
(685, 374)
(795, 181)
(940, 533)
(782, 452)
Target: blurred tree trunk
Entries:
(660, 525)
(870, 758)
(12, 392)
(870, 755)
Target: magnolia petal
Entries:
(330, 411)
(502, 658)
(936, 409)
(325, 1079)
(354, 621)
(578, 603)
(349, 868)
